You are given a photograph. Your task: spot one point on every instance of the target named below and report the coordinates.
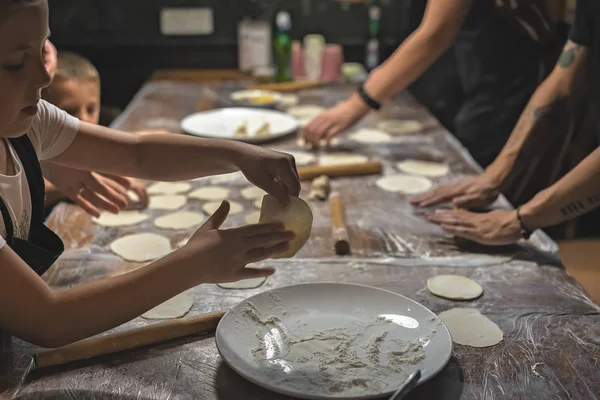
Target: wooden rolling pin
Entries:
(286, 86)
(335, 171)
(341, 242)
(128, 340)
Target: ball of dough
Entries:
(423, 168)
(454, 287)
(404, 184)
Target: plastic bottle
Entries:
(282, 47)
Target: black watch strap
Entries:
(369, 101)
(525, 232)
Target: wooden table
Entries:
(551, 347)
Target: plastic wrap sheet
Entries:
(551, 347)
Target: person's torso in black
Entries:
(42, 247)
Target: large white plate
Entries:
(221, 123)
(265, 338)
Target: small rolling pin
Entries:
(341, 242)
(128, 340)
(336, 171)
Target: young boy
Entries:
(33, 130)
(75, 88)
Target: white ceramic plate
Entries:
(222, 123)
(332, 341)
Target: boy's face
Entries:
(23, 33)
(80, 98)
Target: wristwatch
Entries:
(525, 231)
(369, 101)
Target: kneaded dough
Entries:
(167, 202)
(123, 218)
(211, 207)
(302, 158)
(297, 217)
(175, 307)
(423, 168)
(141, 247)
(370, 136)
(305, 112)
(244, 284)
(404, 184)
(212, 193)
(169, 187)
(252, 218)
(397, 127)
(469, 327)
(454, 287)
(252, 192)
(342, 159)
(180, 220)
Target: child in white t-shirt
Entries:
(33, 130)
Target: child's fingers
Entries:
(86, 206)
(263, 253)
(99, 187)
(119, 180)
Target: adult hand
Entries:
(473, 192)
(334, 120)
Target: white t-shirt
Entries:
(51, 133)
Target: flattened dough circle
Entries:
(469, 327)
(180, 220)
(244, 284)
(423, 168)
(454, 287)
(141, 247)
(211, 193)
(169, 187)
(370, 136)
(175, 307)
(167, 202)
(397, 127)
(252, 192)
(404, 184)
(124, 218)
(297, 217)
(342, 159)
(211, 207)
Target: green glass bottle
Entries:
(282, 47)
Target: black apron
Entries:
(43, 246)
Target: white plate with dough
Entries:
(248, 125)
(332, 341)
(405, 184)
(424, 168)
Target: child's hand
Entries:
(223, 254)
(272, 171)
(139, 187)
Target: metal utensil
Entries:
(409, 385)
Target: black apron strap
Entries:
(8, 224)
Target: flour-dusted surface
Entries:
(332, 341)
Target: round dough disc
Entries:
(305, 112)
(211, 207)
(342, 159)
(252, 192)
(454, 287)
(396, 127)
(244, 284)
(175, 307)
(302, 158)
(167, 202)
(404, 184)
(141, 247)
(469, 327)
(169, 187)
(211, 193)
(180, 220)
(423, 168)
(297, 217)
(252, 218)
(124, 218)
(370, 136)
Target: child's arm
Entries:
(177, 157)
(33, 311)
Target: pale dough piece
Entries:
(288, 100)
(469, 327)
(302, 158)
(211, 207)
(241, 130)
(305, 112)
(404, 184)
(169, 188)
(320, 188)
(175, 307)
(180, 220)
(424, 168)
(124, 218)
(167, 202)
(133, 197)
(141, 247)
(263, 130)
(258, 203)
(396, 127)
(342, 159)
(297, 217)
(212, 193)
(323, 144)
(252, 192)
(252, 218)
(370, 136)
(454, 287)
(244, 284)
